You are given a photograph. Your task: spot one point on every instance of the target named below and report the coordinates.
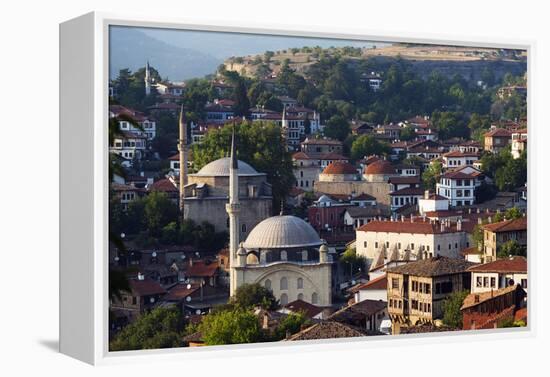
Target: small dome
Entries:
(282, 232)
(380, 167)
(340, 167)
(220, 167)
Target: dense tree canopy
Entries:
(366, 145)
(160, 328)
(230, 327)
(452, 315)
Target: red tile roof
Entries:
(474, 299)
(301, 156)
(460, 154)
(146, 287)
(507, 225)
(408, 191)
(405, 180)
(322, 141)
(498, 132)
(308, 309)
(415, 227)
(180, 292)
(380, 282)
(514, 264)
(163, 185)
(202, 269)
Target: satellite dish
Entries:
(122, 235)
(152, 299)
(198, 311)
(353, 282)
(154, 254)
(188, 299)
(197, 254)
(188, 286)
(182, 256)
(187, 280)
(116, 259)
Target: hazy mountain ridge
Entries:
(131, 48)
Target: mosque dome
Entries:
(221, 166)
(380, 167)
(340, 167)
(282, 232)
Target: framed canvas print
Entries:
(226, 188)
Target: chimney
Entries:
(140, 276)
(478, 210)
(479, 221)
(459, 225)
(490, 220)
(190, 261)
(412, 219)
(402, 218)
(427, 194)
(442, 226)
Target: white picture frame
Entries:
(84, 44)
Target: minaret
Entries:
(147, 79)
(284, 127)
(182, 148)
(233, 208)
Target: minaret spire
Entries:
(233, 208)
(147, 79)
(182, 148)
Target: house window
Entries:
(284, 284)
(395, 283)
(243, 228)
(376, 245)
(524, 283)
(493, 282)
(365, 244)
(300, 283)
(486, 281)
(134, 300)
(267, 284)
(314, 298)
(301, 296)
(427, 288)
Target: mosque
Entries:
(282, 253)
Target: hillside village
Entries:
(316, 194)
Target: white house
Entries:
(405, 196)
(417, 238)
(148, 125)
(458, 185)
(498, 274)
(375, 289)
(456, 159)
(519, 142)
(130, 145)
(432, 202)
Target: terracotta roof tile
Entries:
(514, 264)
(507, 225)
(435, 266)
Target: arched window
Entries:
(284, 284)
(300, 283)
(283, 255)
(301, 296)
(314, 298)
(304, 255)
(243, 228)
(284, 299)
(267, 284)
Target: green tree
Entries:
(452, 316)
(366, 145)
(230, 327)
(159, 211)
(513, 213)
(431, 175)
(337, 127)
(511, 247)
(242, 104)
(407, 133)
(290, 324)
(352, 261)
(248, 296)
(160, 328)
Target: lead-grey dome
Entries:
(220, 167)
(282, 232)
